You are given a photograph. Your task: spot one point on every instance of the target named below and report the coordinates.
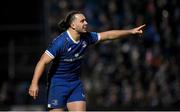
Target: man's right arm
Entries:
(40, 67)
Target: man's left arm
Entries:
(117, 34)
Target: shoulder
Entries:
(60, 38)
(89, 34)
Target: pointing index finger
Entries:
(142, 26)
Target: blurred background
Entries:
(136, 73)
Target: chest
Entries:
(74, 50)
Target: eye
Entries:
(82, 21)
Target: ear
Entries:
(72, 25)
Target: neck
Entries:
(74, 34)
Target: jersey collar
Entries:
(76, 42)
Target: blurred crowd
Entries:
(138, 71)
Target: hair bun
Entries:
(62, 25)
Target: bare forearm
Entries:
(115, 34)
(38, 72)
(40, 67)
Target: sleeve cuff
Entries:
(49, 54)
(99, 37)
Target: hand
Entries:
(33, 90)
(138, 30)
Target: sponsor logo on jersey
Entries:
(74, 59)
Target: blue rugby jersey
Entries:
(67, 54)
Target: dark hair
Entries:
(64, 24)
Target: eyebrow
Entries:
(83, 19)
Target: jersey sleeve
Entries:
(93, 37)
(54, 48)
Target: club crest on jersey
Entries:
(84, 44)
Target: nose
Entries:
(85, 22)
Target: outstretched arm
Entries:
(40, 67)
(116, 34)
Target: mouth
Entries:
(85, 27)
